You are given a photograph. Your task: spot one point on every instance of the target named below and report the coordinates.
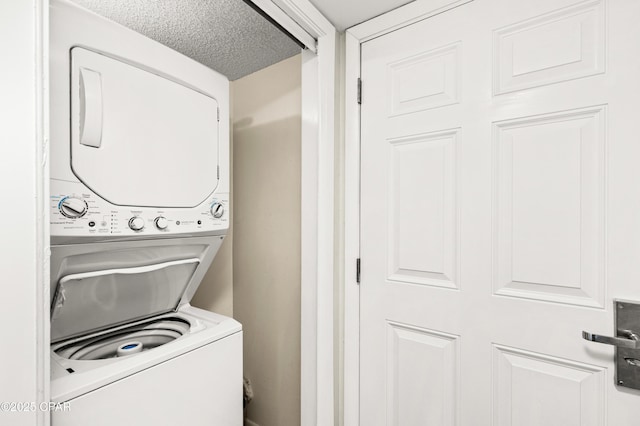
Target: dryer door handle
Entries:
(90, 108)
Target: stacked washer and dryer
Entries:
(139, 207)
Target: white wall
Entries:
(23, 365)
(266, 246)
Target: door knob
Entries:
(630, 341)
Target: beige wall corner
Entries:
(266, 246)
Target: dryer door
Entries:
(139, 138)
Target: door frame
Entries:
(318, 385)
(29, 175)
(317, 307)
(354, 38)
(25, 266)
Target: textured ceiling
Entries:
(347, 13)
(225, 35)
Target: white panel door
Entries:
(500, 214)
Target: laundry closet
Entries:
(427, 216)
(175, 217)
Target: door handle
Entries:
(90, 108)
(626, 342)
(631, 341)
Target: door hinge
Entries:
(359, 91)
(218, 172)
(218, 113)
(358, 270)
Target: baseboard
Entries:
(248, 422)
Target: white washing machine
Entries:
(127, 348)
(139, 207)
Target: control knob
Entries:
(73, 207)
(161, 222)
(217, 210)
(136, 223)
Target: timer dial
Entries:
(217, 210)
(73, 207)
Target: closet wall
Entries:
(257, 274)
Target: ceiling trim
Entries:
(307, 16)
(274, 23)
(288, 23)
(401, 17)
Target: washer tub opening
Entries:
(149, 335)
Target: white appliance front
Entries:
(139, 135)
(139, 163)
(140, 139)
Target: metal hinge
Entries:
(218, 172)
(358, 270)
(218, 113)
(359, 91)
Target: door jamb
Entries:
(317, 298)
(25, 267)
(355, 37)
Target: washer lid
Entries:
(92, 301)
(139, 138)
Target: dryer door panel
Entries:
(138, 138)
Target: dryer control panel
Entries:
(76, 213)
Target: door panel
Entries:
(534, 389)
(498, 214)
(558, 46)
(411, 354)
(549, 207)
(422, 216)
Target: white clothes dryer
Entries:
(139, 135)
(139, 162)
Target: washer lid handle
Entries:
(135, 270)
